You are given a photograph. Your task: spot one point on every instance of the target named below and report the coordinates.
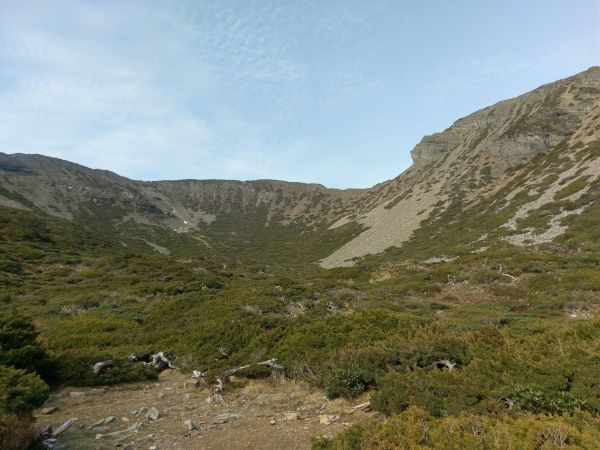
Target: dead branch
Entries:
(223, 351)
(446, 364)
(100, 366)
(159, 361)
(64, 427)
(510, 276)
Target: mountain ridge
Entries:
(474, 159)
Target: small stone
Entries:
(217, 398)
(324, 419)
(189, 425)
(224, 418)
(290, 415)
(97, 423)
(48, 410)
(273, 422)
(152, 414)
(75, 394)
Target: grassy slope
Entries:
(381, 325)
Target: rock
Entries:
(97, 423)
(75, 394)
(189, 425)
(273, 422)
(290, 416)
(217, 398)
(152, 414)
(142, 412)
(326, 419)
(224, 418)
(48, 410)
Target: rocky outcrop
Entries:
(473, 155)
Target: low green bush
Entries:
(20, 391)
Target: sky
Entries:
(326, 91)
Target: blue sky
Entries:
(334, 92)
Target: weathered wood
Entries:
(510, 276)
(159, 361)
(64, 427)
(272, 363)
(100, 366)
(218, 387)
(446, 364)
(223, 351)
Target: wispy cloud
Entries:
(241, 88)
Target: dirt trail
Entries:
(260, 407)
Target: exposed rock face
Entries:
(516, 130)
(471, 157)
(67, 190)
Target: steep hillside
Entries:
(479, 158)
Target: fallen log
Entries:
(272, 363)
(64, 427)
(132, 429)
